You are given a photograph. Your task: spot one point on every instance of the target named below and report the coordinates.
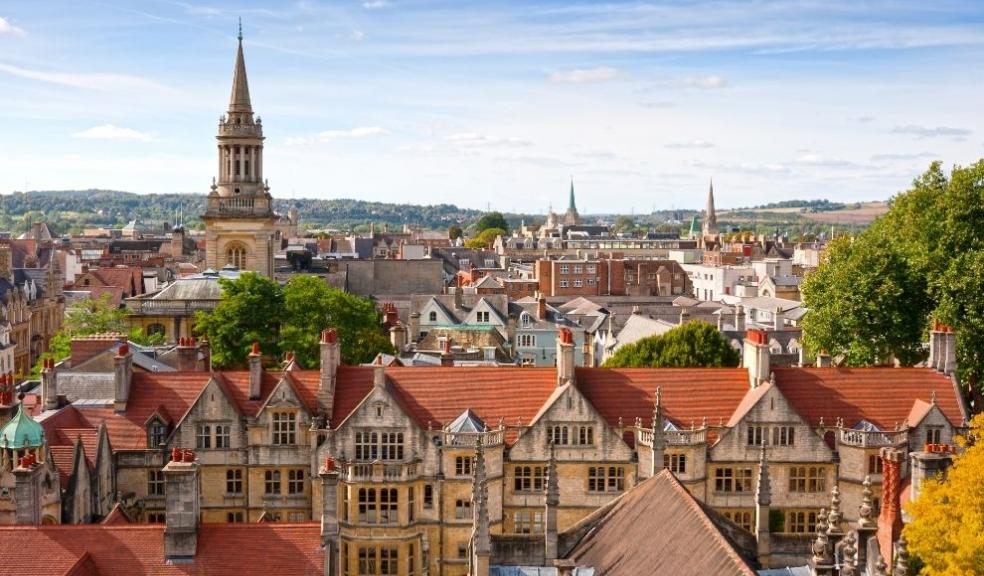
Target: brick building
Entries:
(611, 277)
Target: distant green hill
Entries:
(72, 210)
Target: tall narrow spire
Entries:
(710, 216)
(571, 205)
(239, 100)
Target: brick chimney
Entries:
(122, 377)
(565, 356)
(541, 306)
(329, 517)
(447, 356)
(890, 519)
(255, 371)
(187, 354)
(85, 347)
(181, 484)
(331, 357)
(755, 357)
(390, 315)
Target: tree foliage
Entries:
(454, 232)
(82, 318)
(254, 308)
(695, 344)
(311, 305)
(491, 220)
(929, 245)
(946, 533)
(485, 238)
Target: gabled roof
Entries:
(657, 527)
(882, 396)
(117, 517)
(118, 550)
(689, 394)
(467, 422)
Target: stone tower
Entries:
(240, 225)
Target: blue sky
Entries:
(498, 103)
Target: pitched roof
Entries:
(883, 396)
(656, 528)
(117, 517)
(123, 550)
(689, 394)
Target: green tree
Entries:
(82, 318)
(491, 220)
(454, 232)
(866, 304)
(946, 534)
(485, 238)
(311, 305)
(695, 344)
(624, 224)
(935, 232)
(250, 311)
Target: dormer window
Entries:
(284, 428)
(156, 433)
(526, 320)
(432, 317)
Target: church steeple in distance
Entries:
(571, 217)
(710, 217)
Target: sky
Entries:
(498, 104)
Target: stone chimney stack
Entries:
(457, 297)
(739, 318)
(378, 375)
(550, 551)
(684, 316)
(949, 350)
(565, 356)
(331, 358)
(28, 489)
(187, 354)
(329, 517)
(122, 377)
(777, 319)
(177, 242)
(255, 371)
(931, 462)
(398, 337)
(206, 351)
(890, 519)
(414, 334)
(763, 499)
(756, 357)
(49, 385)
(823, 360)
(181, 507)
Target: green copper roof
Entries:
(695, 226)
(21, 432)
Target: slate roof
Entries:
(658, 527)
(125, 550)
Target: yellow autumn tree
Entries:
(946, 533)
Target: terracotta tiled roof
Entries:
(63, 459)
(689, 394)
(882, 396)
(116, 517)
(223, 550)
(89, 436)
(439, 395)
(236, 385)
(656, 528)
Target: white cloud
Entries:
(712, 82)
(330, 135)
(374, 4)
(692, 144)
(889, 157)
(931, 131)
(7, 28)
(473, 139)
(357, 35)
(585, 75)
(89, 81)
(111, 132)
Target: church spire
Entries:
(239, 100)
(571, 205)
(710, 216)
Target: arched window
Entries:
(156, 328)
(236, 255)
(432, 317)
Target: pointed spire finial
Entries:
(240, 36)
(763, 489)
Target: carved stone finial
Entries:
(849, 558)
(834, 517)
(901, 557)
(881, 569)
(866, 509)
(821, 547)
